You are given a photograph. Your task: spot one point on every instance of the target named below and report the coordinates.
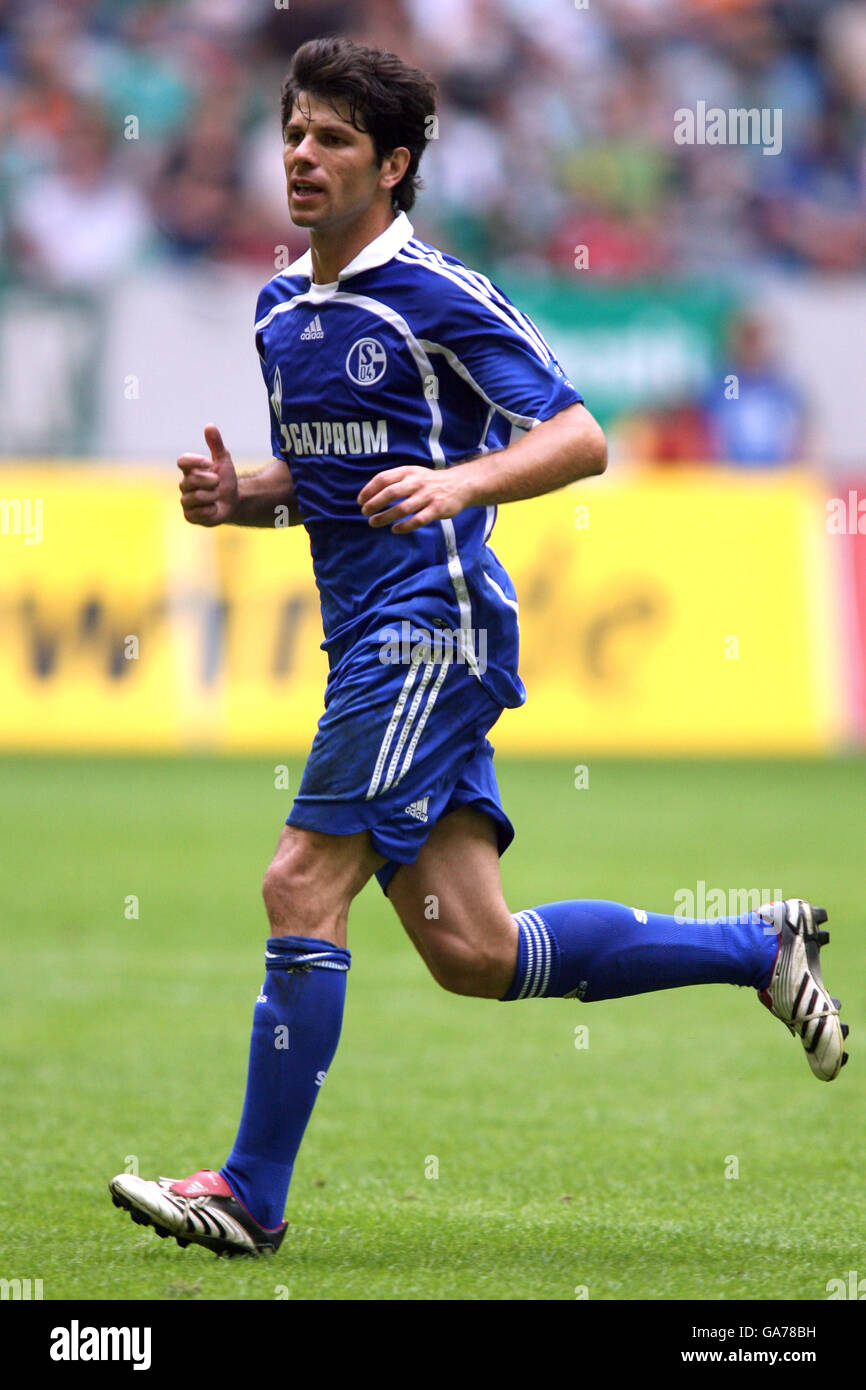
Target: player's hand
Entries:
(209, 486)
(420, 495)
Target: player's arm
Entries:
(568, 446)
(261, 496)
(212, 494)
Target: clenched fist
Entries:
(209, 486)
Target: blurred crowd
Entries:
(753, 416)
(145, 129)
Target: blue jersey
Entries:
(407, 358)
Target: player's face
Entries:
(331, 172)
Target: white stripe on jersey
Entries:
(412, 255)
(482, 443)
(512, 603)
(420, 358)
(461, 593)
(490, 519)
(425, 371)
(525, 422)
(482, 283)
(420, 348)
(281, 309)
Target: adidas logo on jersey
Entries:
(418, 808)
(313, 330)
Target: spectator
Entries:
(83, 223)
(756, 416)
(196, 199)
(556, 129)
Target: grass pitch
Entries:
(562, 1170)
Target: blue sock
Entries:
(590, 949)
(296, 1028)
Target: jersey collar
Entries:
(381, 249)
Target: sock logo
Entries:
(320, 1077)
(579, 993)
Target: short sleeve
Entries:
(497, 350)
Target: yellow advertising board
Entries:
(658, 614)
(685, 613)
(84, 660)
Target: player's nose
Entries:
(305, 151)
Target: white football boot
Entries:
(796, 992)
(199, 1210)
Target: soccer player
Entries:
(395, 375)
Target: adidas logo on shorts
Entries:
(313, 330)
(418, 808)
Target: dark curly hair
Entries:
(385, 98)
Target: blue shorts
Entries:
(398, 747)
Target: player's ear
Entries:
(394, 166)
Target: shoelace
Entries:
(187, 1203)
(832, 1012)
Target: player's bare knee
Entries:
(276, 886)
(299, 892)
(286, 890)
(460, 967)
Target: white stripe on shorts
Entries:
(407, 724)
(389, 732)
(431, 700)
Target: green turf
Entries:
(559, 1168)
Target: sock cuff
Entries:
(304, 953)
(537, 957)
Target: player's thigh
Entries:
(451, 904)
(313, 877)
